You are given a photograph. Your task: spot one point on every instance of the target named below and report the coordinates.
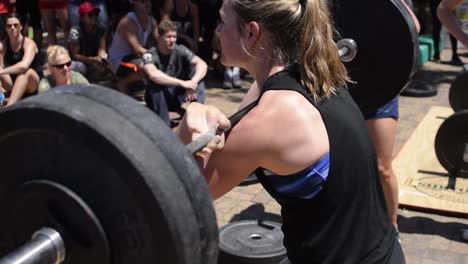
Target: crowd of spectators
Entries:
(163, 46)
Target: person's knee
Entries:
(386, 172)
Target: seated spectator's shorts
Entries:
(388, 110)
(52, 4)
(128, 65)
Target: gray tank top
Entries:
(120, 47)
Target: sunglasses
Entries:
(61, 66)
(14, 25)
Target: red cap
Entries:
(87, 7)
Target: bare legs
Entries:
(383, 132)
(48, 17)
(25, 83)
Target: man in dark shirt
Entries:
(88, 43)
(175, 66)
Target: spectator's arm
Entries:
(30, 50)
(200, 69)
(75, 54)
(448, 19)
(128, 32)
(102, 47)
(159, 77)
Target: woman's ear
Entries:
(252, 32)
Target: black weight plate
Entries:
(49, 204)
(251, 179)
(110, 164)
(179, 159)
(388, 48)
(251, 241)
(450, 144)
(458, 93)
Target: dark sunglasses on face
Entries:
(61, 66)
(15, 25)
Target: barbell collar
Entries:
(45, 247)
(347, 49)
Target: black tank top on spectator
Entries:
(347, 222)
(11, 58)
(89, 41)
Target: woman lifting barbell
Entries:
(304, 127)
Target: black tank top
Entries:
(11, 57)
(347, 222)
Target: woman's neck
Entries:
(89, 28)
(15, 41)
(264, 71)
(62, 81)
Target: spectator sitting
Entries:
(129, 44)
(21, 69)
(88, 44)
(74, 6)
(59, 62)
(178, 77)
(185, 15)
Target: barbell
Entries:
(451, 141)
(458, 95)
(91, 176)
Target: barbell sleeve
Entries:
(347, 49)
(45, 247)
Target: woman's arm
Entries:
(30, 51)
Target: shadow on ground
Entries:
(256, 212)
(436, 77)
(427, 226)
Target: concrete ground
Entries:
(427, 238)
